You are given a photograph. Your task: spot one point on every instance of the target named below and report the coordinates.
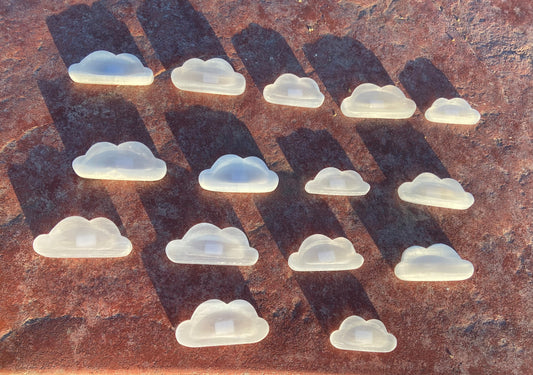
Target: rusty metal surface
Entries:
(120, 315)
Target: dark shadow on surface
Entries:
(182, 287)
(425, 83)
(84, 117)
(401, 153)
(291, 214)
(82, 29)
(48, 191)
(39, 337)
(46, 185)
(343, 64)
(205, 135)
(178, 203)
(174, 206)
(310, 151)
(178, 32)
(266, 55)
(334, 296)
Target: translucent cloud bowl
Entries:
(430, 190)
(371, 101)
(106, 68)
(131, 161)
(77, 237)
(214, 76)
(358, 334)
(438, 262)
(233, 174)
(206, 243)
(331, 181)
(294, 91)
(321, 253)
(452, 111)
(215, 323)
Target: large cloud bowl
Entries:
(206, 243)
(291, 90)
(332, 181)
(106, 68)
(439, 262)
(357, 334)
(321, 253)
(430, 190)
(77, 237)
(214, 76)
(452, 111)
(215, 323)
(233, 174)
(128, 161)
(371, 101)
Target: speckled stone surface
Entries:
(119, 315)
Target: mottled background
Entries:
(120, 314)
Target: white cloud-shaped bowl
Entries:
(321, 253)
(131, 161)
(358, 334)
(214, 76)
(106, 68)
(77, 237)
(331, 181)
(294, 91)
(452, 111)
(233, 174)
(438, 262)
(215, 323)
(206, 243)
(430, 190)
(371, 101)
